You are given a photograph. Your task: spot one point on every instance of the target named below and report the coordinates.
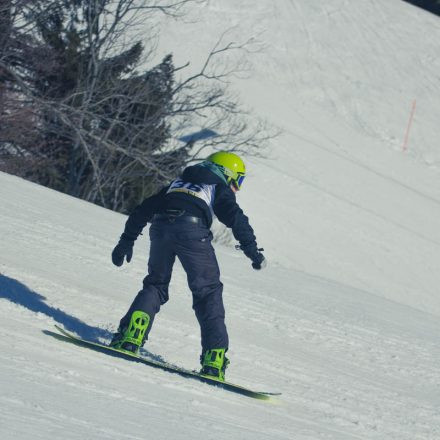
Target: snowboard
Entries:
(64, 335)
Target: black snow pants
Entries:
(191, 243)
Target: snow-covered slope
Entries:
(345, 320)
(341, 199)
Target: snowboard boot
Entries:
(131, 338)
(214, 363)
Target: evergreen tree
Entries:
(104, 116)
(79, 112)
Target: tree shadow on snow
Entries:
(20, 294)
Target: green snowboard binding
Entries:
(214, 363)
(132, 337)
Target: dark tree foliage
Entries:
(18, 125)
(80, 113)
(429, 5)
(97, 101)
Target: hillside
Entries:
(344, 321)
(339, 78)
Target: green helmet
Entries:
(231, 166)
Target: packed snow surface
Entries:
(345, 321)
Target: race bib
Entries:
(199, 190)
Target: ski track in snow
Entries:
(351, 365)
(344, 321)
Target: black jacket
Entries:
(200, 192)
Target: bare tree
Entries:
(98, 125)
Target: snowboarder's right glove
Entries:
(124, 249)
(258, 261)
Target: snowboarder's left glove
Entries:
(124, 249)
(251, 251)
(258, 261)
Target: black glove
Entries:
(258, 261)
(251, 251)
(124, 249)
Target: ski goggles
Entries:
(239, 181)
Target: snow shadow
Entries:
(20, 294)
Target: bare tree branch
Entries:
(104, 126)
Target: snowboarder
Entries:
(181, 215)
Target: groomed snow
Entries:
(345, 321)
